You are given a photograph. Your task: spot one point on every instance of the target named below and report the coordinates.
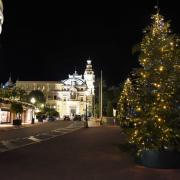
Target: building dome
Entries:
(74, 81)
(9, 83)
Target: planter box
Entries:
(17, 122)
(93, 123)
(159, 159)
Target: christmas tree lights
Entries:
(155, 96)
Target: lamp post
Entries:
(101, 100)
(33, 101)
(1, 15)
(86, 116)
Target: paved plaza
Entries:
(87, 153)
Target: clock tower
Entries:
(89, 77)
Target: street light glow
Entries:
(33, 100)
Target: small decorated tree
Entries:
(127, 105)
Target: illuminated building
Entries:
(70, 96)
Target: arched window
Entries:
(73, 95)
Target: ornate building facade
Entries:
(70, 97)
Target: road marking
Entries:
(34, 139)
(3, 148)
(45, 136)
(57, 131)
(21, 142)
(9, 145)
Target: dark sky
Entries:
(47, 40)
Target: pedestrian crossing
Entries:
(7, 145)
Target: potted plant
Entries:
(17, 109)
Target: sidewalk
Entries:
(7, 127)
(96, 154)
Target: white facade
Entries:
(89, 78)
(70, 97)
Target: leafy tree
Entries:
(19, 94)
(38, 96)
(47, 111)
(109, 109)
(97, 97)
(51, 112)
(97, 111)
(110, 97)
(14, 94)
(113, 95)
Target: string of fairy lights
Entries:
(148, 105)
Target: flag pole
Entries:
(101, 99)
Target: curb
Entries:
(3, 129)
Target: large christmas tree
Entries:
(157, 87)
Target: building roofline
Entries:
(57, 82)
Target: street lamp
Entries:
(1, 15)
(42, 106)
(33, 101)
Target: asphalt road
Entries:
(88, 154)
(33, 130)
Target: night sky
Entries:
(47, 41)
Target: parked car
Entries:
(41, 118)
(51, 118)
(77, 118)
(66, 118)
